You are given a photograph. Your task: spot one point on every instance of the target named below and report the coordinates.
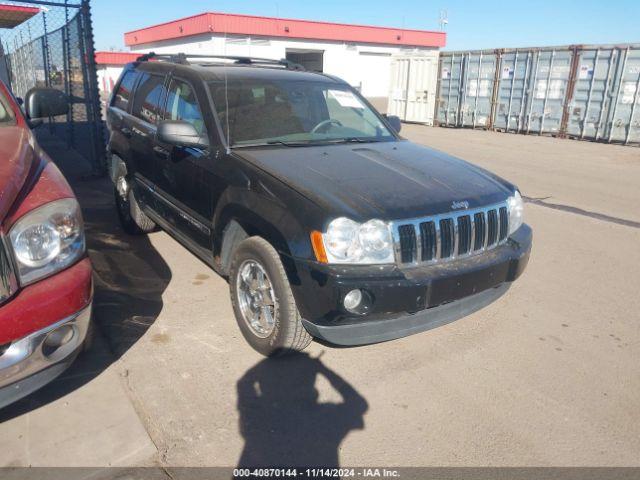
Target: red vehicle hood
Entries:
(16, 159)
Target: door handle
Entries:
(127, 132)
(138, 132)
(161, 152)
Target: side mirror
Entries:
(181, 134)
(45, 102)
(394, 122)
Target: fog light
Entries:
(352, 300)
(60, 336)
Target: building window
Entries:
(311, 60)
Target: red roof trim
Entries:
(18, 8)
(283, 28)
(115, 58)
(13, 15)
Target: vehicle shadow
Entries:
(283, 423)
(130, 277)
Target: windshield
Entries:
(261, 111)
(6, 115)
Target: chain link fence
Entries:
(54, 48)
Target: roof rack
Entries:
(183, 59)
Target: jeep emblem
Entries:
(458, 205)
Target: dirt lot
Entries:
(548, 375)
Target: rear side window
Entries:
(182, 105)
(149, 94)
(122, 96)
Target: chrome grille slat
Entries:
(418, 254)
(438, 239)
(456, 237)
(472, 238)
(445, 237)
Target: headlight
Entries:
(346, 241)
(47, 239)
(516, 212)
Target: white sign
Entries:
(446, 74)
(628, 92)
(507, 72)
(346, 99)
(586, 72)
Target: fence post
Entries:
(66, 57)
(94, 117)
(47, 60)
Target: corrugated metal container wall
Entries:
(477, 95)
(515, 67)
(623, 120)
(592, 92)
(547, 91)
(449, 89)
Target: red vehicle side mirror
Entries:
(43, 102)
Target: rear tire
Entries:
(282, 333)
(134, 221)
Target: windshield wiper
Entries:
(354, 140)
(307, 143)
(270, 143)
(288, 144)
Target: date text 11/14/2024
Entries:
(316, 473)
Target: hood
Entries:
(386, 180)
(16, 159)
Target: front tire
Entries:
(133, 220)
(262, 300)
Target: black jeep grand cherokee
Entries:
(326, 223)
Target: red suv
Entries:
(45, 275)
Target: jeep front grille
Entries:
(451, 235)
(8, 281)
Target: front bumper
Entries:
(33, 361)
(404, 301)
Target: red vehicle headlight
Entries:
(47, 240)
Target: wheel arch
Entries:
(236, 222)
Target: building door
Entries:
(312, 60)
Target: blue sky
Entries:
(486, 24)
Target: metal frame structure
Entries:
(55, 48)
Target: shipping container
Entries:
(548, 85)
(466, 88)
(591, 92)
(623, 121)
(413, 87)
(450, 89)
(585, 92)
(477, 96)
(511, 112)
